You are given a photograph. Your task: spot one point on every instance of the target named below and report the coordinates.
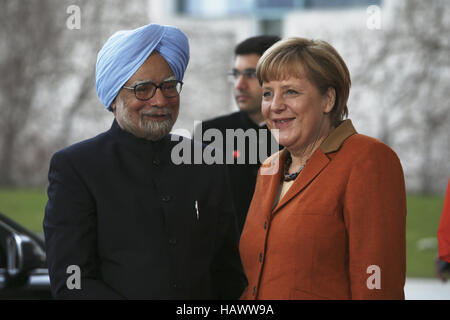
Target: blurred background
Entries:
(397, 52)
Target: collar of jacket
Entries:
(272, 169)
(337, 137)
(331, 144)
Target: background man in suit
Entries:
(248, 95)
(136, 225)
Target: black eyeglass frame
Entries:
(178, 82)
(247, 73)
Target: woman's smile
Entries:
(282, 123)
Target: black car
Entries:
(23, 270)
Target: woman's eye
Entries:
(267, 94)
(291, 92)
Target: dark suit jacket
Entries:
(242, 176)
(126, 215)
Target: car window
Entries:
(3, 236)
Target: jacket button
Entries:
(172, 241)
(156, 162)
(165, 198)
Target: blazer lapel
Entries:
(270, 173)
(314, 166)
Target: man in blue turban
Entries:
(122, 220)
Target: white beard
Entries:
(147, 129)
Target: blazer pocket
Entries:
(297, 294)
(315, 237)
(323, 213)
(327, 267)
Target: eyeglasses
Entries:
(247, 73)
(147, 90)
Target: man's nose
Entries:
(158, 99)
(241, 82)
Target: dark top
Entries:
(126, 215)
(242, 176)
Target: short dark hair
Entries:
(256, 45)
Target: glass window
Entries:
(207, 8)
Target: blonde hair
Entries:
(317, 60)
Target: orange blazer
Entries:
(444, 228)
(339, 231)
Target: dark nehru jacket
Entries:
(242, 176)
(139, 226)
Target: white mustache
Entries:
(162, 112)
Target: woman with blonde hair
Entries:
(327, 219)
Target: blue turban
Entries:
(126, 50)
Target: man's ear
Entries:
(329, 100)
(113, 105)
